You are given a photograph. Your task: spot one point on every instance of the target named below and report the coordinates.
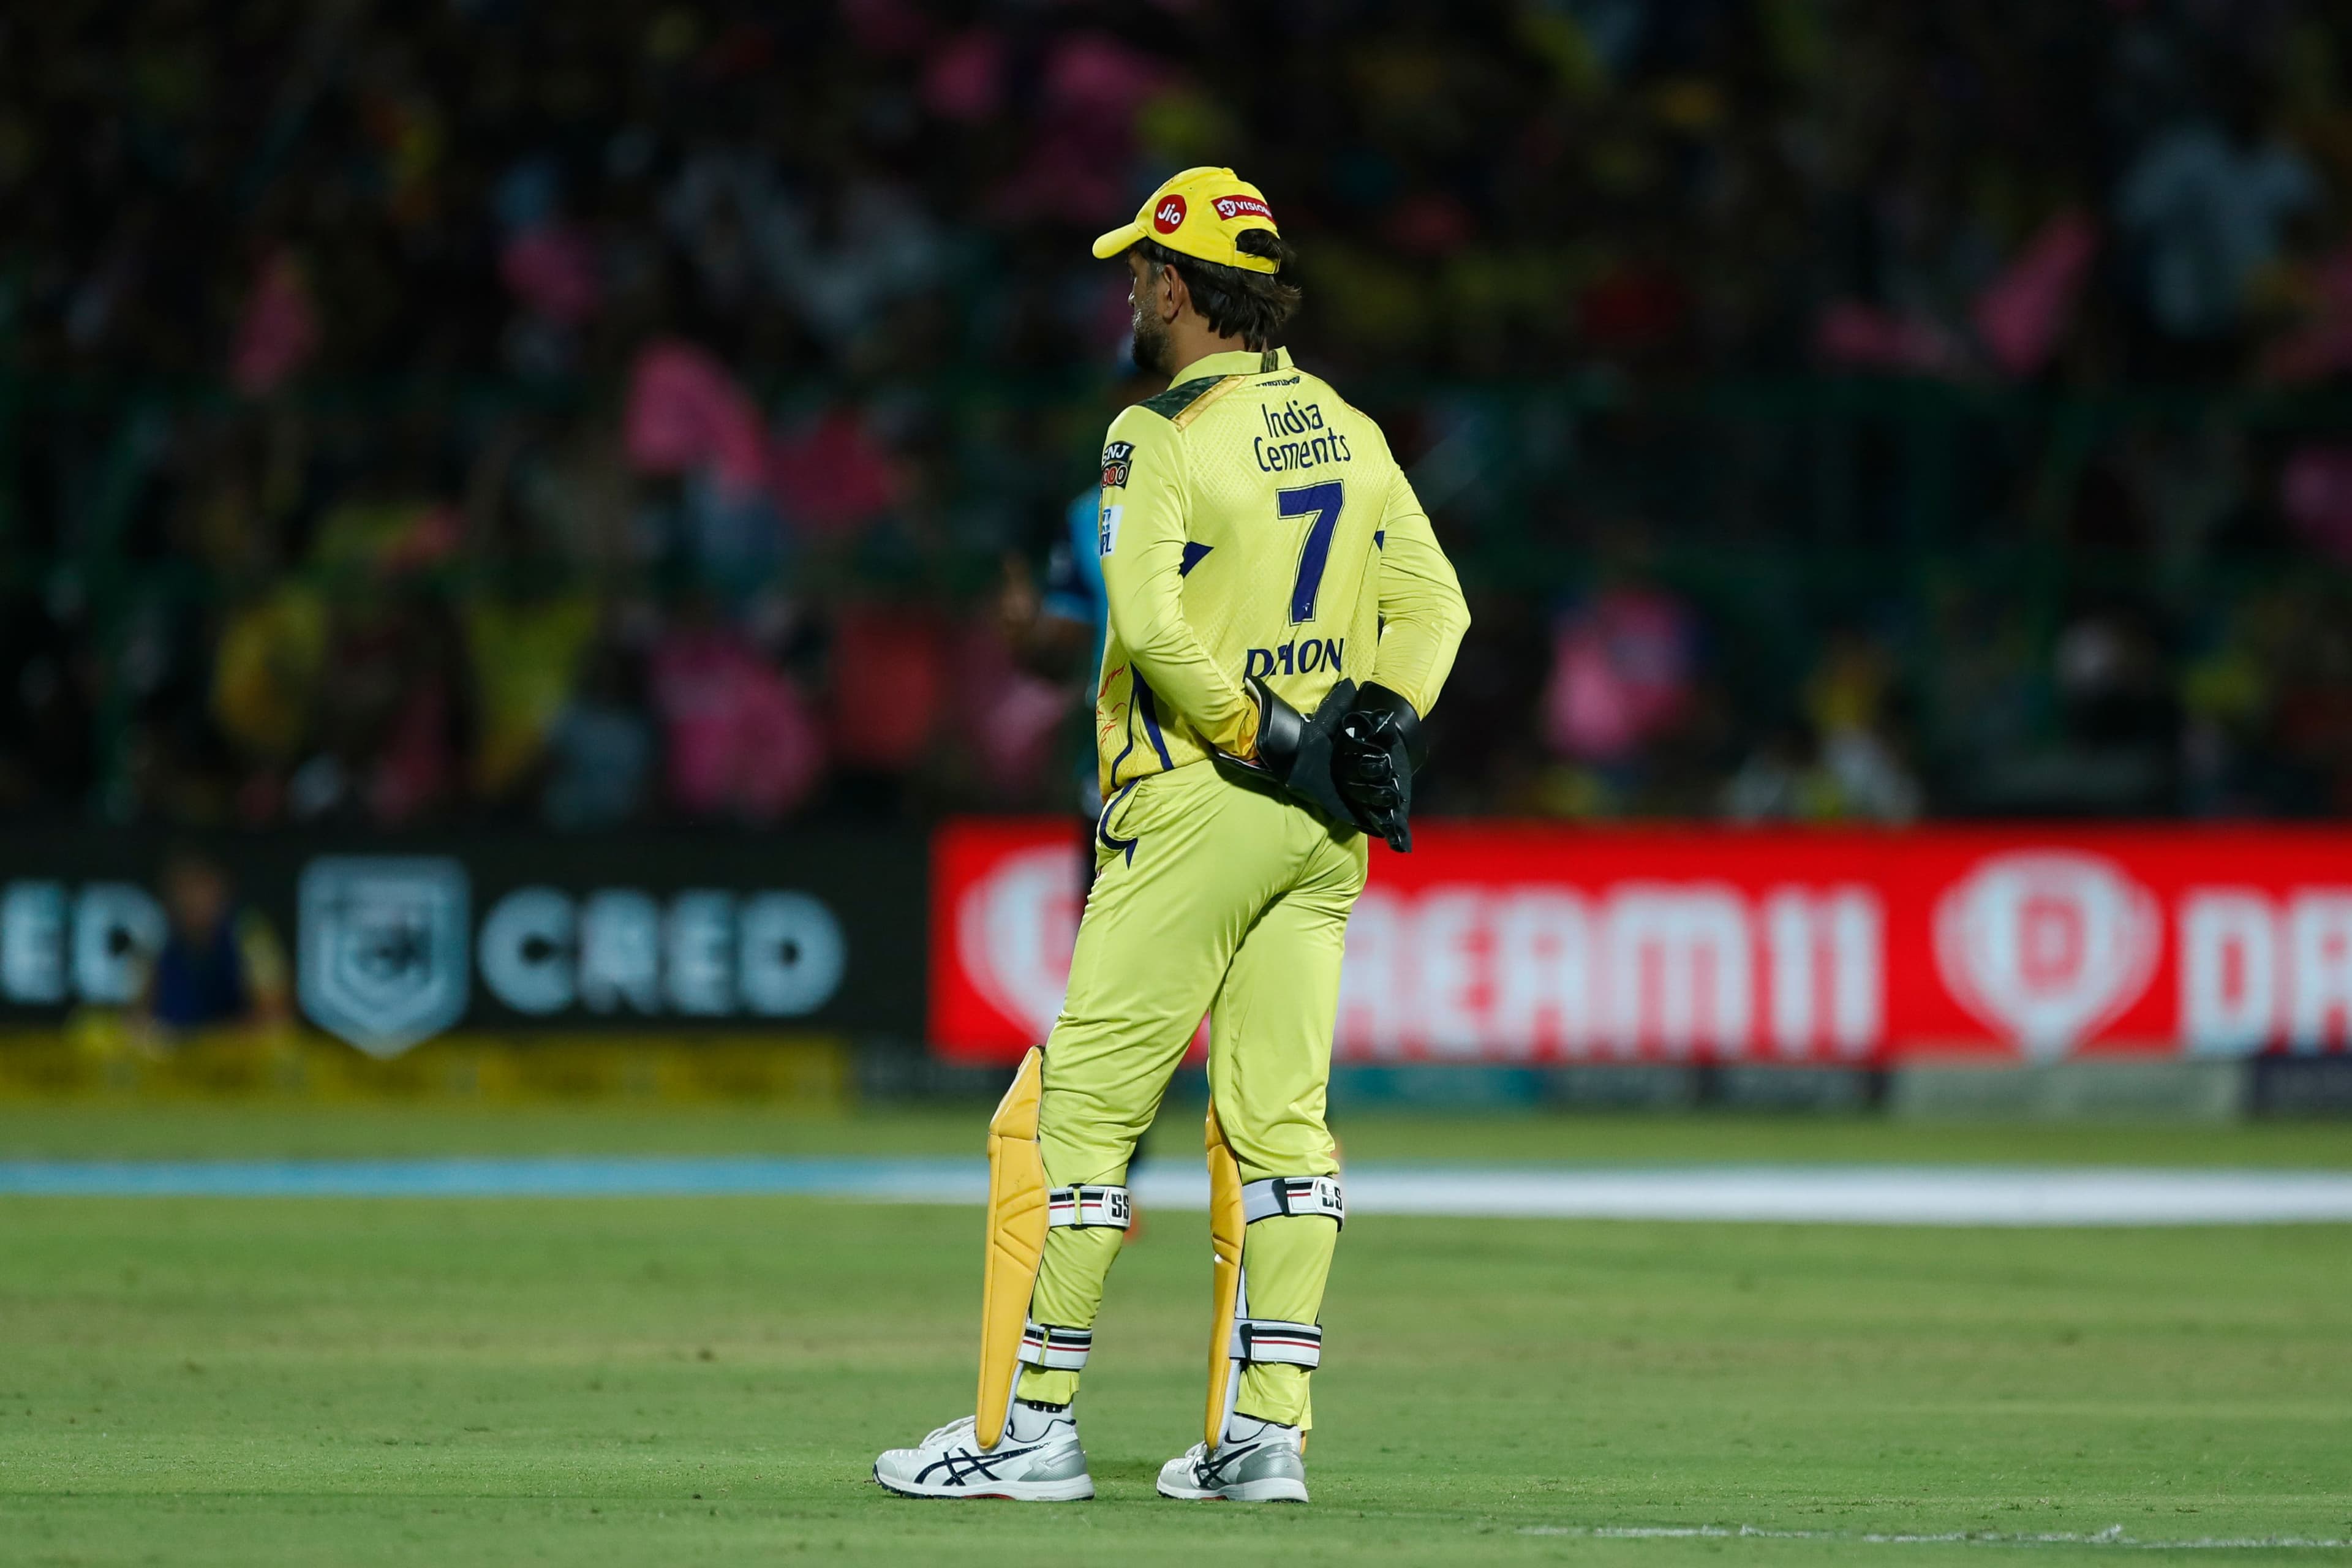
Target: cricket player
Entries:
(1281, 619)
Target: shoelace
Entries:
(941, 1434)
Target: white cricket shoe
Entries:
(1258, 1461)
(1036, 1460)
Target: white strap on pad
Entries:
(1084, 1208)
(1292, 1195)
(1263, 1340)
(1054, 1348)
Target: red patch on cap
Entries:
(1168, 216)
(1232, 207)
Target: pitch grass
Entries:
(684, 1382)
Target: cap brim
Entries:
(1118, 240)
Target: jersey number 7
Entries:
(1319, 504)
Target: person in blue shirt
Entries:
(220, 964)
(1057, 617)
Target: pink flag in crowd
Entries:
(742, 741)
(551, 268)
(1093, 73)
(1093, 86)
(2021, 316)
(2316, 493)
(1866, 337)
(888, 29)
(279, 330)
(685, 412)
(1621, 674)
(963, 81)
(830, 474)
(1009, 717)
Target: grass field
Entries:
(672, 1381)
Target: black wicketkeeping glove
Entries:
(1373, 759)
(1294, 749)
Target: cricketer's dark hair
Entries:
(1237, 302)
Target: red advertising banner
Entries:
(1540, 944)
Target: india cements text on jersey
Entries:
(1253, 523)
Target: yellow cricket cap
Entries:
(1201, 213)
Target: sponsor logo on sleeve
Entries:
(1118, 462)
(1232, 207)
(1168, 216)
(1107, 532)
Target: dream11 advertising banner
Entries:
(1536, 944)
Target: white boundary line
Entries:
(1838, 1194)
(2113, 1536)
(1784, 1194)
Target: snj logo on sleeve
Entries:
(1168, 216)
(1232, 207)
(1117, 461)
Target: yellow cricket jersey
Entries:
(1253, 523)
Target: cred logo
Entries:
(1171, 215)
(2047, 946)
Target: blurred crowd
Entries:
(594, 414)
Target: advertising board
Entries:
(1507, 942)
(393, 943)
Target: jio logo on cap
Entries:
(1170, 217)
(2046, 946)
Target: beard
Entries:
(1151, 350)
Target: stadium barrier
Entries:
(2117, 971)
(490, 965)
(101, 1055)
(1501, 944)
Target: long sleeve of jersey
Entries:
(1142, 539)
(1422, 612)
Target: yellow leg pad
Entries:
(1069, 1291)
(1226, 1224)
(1286, 1263)
(1016, 1239)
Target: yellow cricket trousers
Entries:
(1209, 896)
